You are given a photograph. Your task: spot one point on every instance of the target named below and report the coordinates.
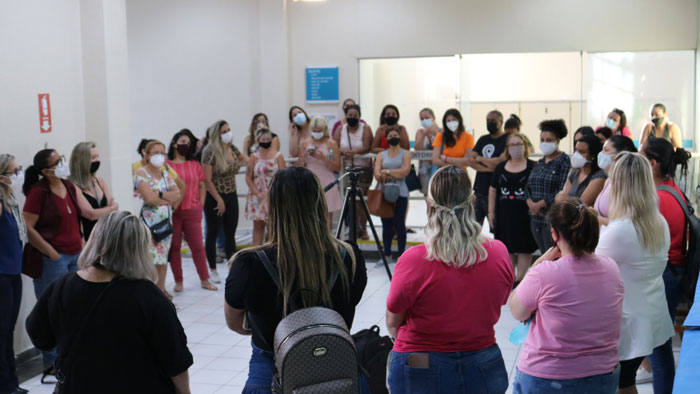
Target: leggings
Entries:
(189, 222)
(396, 223)
(229, 221)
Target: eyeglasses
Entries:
(61, 159)
(516, 145)
(15, 172)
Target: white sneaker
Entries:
(643, 376)
(214, 276)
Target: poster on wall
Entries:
(44, 113)
(322, 84)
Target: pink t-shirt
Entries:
(576, 329)
(449, 309)
(602, 202)
(191, 173)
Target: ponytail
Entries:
(513, 122)
(680, 157)
(576, 223)
(33, 173)
(669, 159)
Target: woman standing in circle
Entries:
(452, 145)
(606, 157)
(508, 213)
(259, 121)
(389, 117)
(159, 193)
(586, 179)
(299, 129)
(322, 157)
(424, 141)
(262, 166)
(84, 163)
(661, 127)
(221, 161)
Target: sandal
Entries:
(170, 296)
(206, 285)
(179, 287)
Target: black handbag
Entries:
(412, 180)
(160, 230)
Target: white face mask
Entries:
(548, 148)
(604, 160)
(300, 118)
(17, 180)
(227, 137)
(452, 125)
(611, 124)
(426, 123)
(62, 170)
(157, 160)
(577, 160)
(317, 135)
(516, 152)
(260, 125)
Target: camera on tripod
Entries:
(354, 173)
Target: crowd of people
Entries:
(601, 297)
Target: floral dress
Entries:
(263, 172)
(154, 214)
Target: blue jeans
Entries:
(10, 297)
(596, 384)
(395, 224)
(481, 371)
(53, 270)
(663, 365)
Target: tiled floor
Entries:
(221, 356)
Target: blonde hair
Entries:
(453, 236)
(5, 190)
(80, 160)
(319, 122)
(633, 196)
(218, 154)
(120, 243)
(151, 144)
(524, 140)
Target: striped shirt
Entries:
(191, 173)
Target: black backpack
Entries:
(314, 352)
(373, 351)
(690, 279)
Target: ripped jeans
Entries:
(596, 384)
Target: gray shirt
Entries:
(394, 163)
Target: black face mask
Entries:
(183, 149)
(265, 145)
(492, 127)
(352, 122)
(390, 120)
(94, 166)
(393, 141)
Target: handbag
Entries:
(412, 180)
(378, 206)
(391, 191)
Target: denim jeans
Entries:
(53, 270)
(395, 224)
(596, 384)
(542, 234)
(663, 365)
(481, 208)
(481, 371)
(10, 297)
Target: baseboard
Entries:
(26, 355)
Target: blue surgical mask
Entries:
(604, 160)
(300, 118)
(611, 124)
(426, 123)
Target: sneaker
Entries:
(214, 276)
(643, 376)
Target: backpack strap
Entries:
(684, 205)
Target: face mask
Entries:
(577, 160)
(391, 120)
(227, 137)
(453, 125)
(548, 148)
(352, 122)
(61, 171)
(183, 149)
(393, 141)
(492, 127)
(516, 152)
(300, 118)
(426, 123)
(317, 135)
(604, 160)
(657, 121)
(265, 145)
(611, 124)
(17, 182)
(94, 166)
(260, 125)
(157, 160)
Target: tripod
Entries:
(351, 193)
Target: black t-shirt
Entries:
(250, 287)
(132, 343)
(487, 147)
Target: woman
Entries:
(603, 133)
(546, 180)
(582, 132)
(392, 166)
(617, 123)
(611, 149)
(424, 141)
(140, 163)
(322, 157)
(389, 117)
(298, 129)
(508, 213)
(13, 235)
(661, 127)
(159, 194)
(451, 147)
(586, 179)
(52, 214)
(262, 166)
(336, 127)
(259, 121)
(304, 252)
(443, 343)
(221, 161)
(187, 217)
(638, 239)
(576, 297)
(355, 138)
(512, 125)
(116, 331)
(84, 163)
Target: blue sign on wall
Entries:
(322, 84)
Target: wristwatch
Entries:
(160, 194)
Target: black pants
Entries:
(395, 224)
(229, 220)
(10, 297)
(481, 208)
